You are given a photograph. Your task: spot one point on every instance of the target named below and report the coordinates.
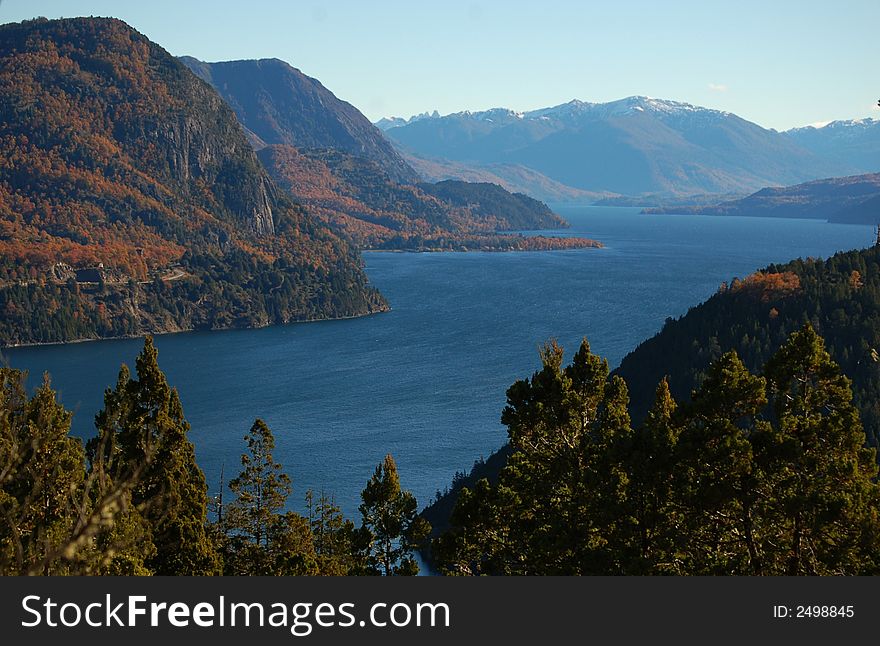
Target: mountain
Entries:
(357, 198)
(516, 178)
(281, 105)
(631, 146)
(755, 315)
(392, 122)
(131, 200)
(330, 158)
(854, 143)
(840, 296)
(852, 200)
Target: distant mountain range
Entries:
(852, 200)
(637, 145)
(332, 160)
(854, 143)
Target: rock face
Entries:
(202, 146)
(114, 154)
(279, 104)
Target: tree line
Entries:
(133, 501)
(756, 475)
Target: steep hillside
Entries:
(754, 315)
(839, 199)
(281, 105)
(131, 201)
(839, 296)
(357, 198)
(632, 146)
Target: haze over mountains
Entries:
(848, 200)
(637, 145)
(330, 158)
(854, 142)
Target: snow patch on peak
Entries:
(387, 123)
(840, 124)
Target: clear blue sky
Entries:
(779, 63)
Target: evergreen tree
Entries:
(824, 512)
(714, 470)
(340, 546)
(479, 538)
(558, 507)
(41, 479)
(55, 517)
(650, 464)
(390, 517)
(143, 423)
(261, 489)
(261, 539)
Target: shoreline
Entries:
(185, 331)
(588, 243)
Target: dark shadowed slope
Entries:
(853, 200)
(281, 105)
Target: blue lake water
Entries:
(426, 381)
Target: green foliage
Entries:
(58, 516)
(839, 297)
(41, 476)
(143, 423)
(824, 498)
(261, 489)
(260, 538)
(134, 502)
(755, 475)
(340, 547)
(391, 521)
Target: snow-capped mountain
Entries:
(386, 123)
(634, 145)
(855, 142)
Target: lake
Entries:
(426, 381)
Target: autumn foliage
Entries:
(768, 285)
(114, 153)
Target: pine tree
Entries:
(340, 546)
(390, 516)
(143, 423)
(650, 463)
(824, 512)
(55, 516)
(714, 470)
(478, 540)
(261, 489)
(261, 538)
(42, 476)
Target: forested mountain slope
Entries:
(839, 297)
(359, 199)
(131, 201)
